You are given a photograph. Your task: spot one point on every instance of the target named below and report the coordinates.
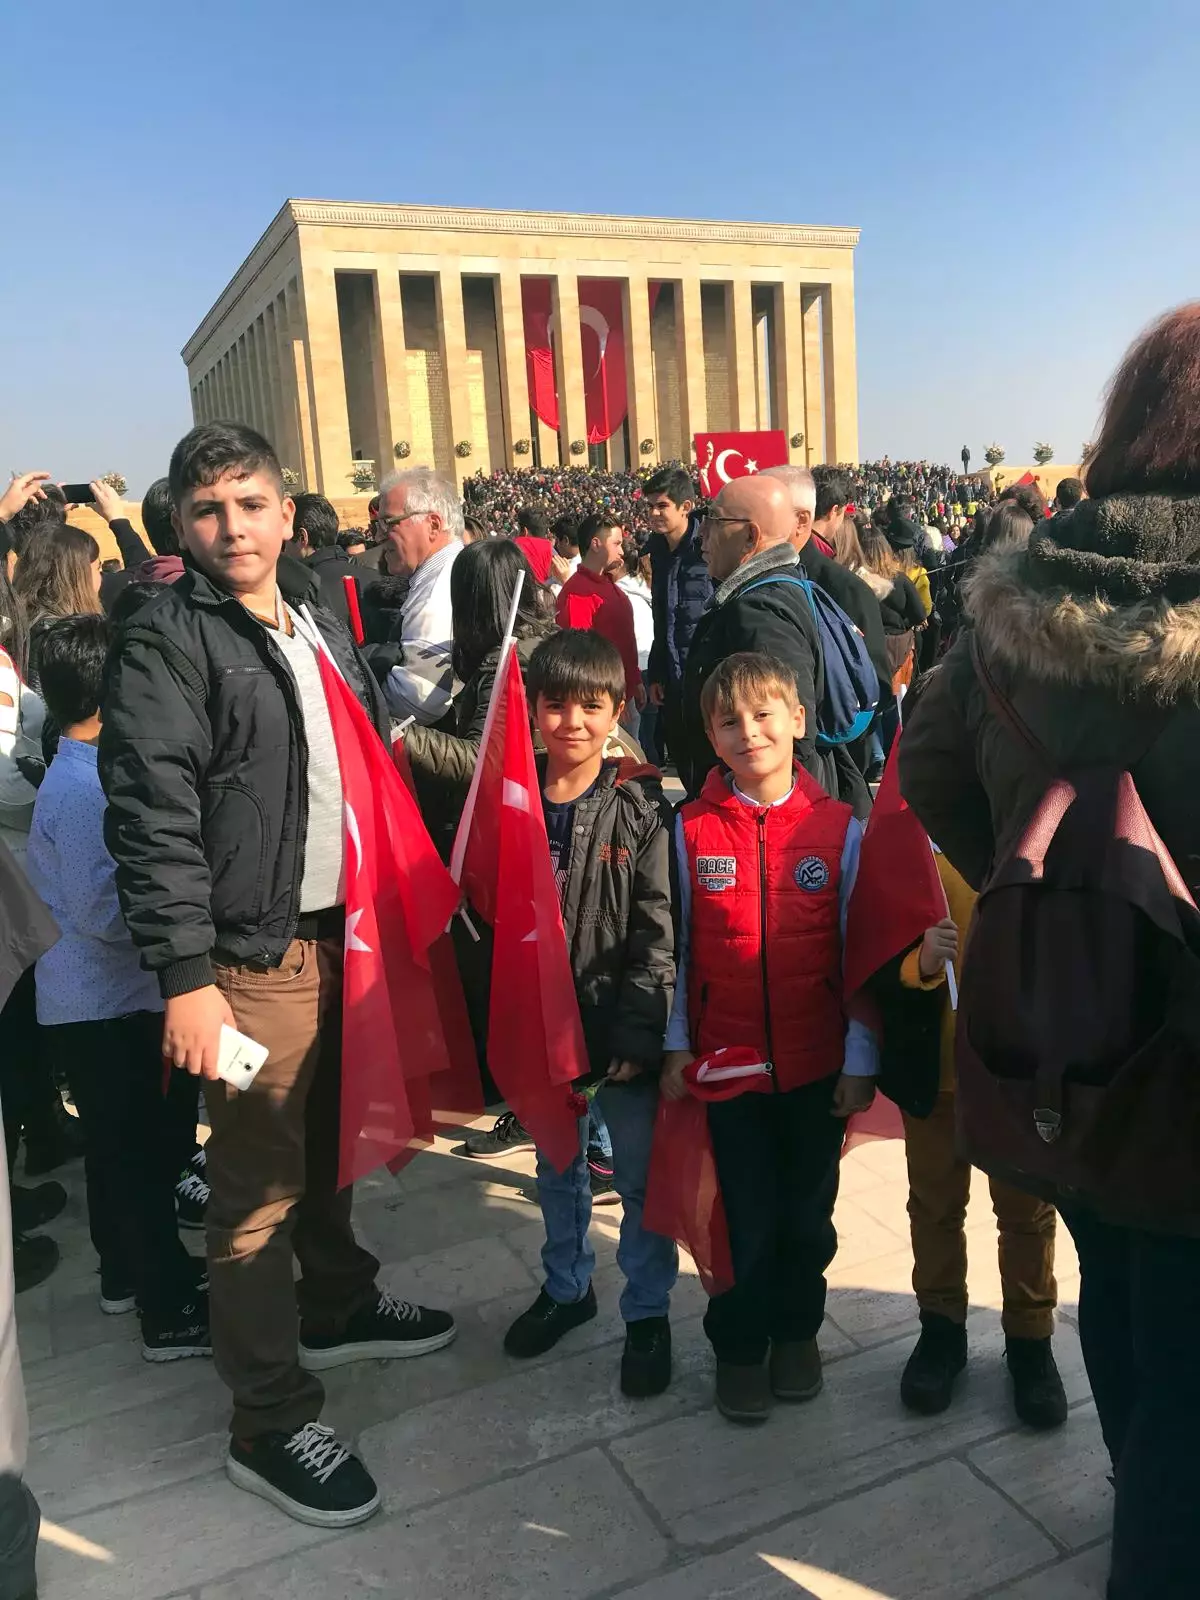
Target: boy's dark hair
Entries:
(71, 657)
(132, 598)
(156, 519)
(33, 515)
(566, 529)
(533, 523)
(746, 676)
(349, 537)
(316, 516)
(674, 482)
(592, 527)
(215, 448)
(1069, 493)
(576, 664)
(1029, 497)
(833, 489)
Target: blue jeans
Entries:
(650, 1262)
(598, 1138)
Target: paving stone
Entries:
(463, 1275)
(450, 1445)
(1083, 1577)
(156, 1542)
(862, 1237)
(83, 1387)
(1059, 1478)
(421, 1222)
(570, 1529)
(895, 1542)
(855, 1432)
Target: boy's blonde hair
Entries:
(747, 676)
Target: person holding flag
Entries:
(228, 778)
(907, 930)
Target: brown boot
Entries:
(743, 1393)
(795, 1369)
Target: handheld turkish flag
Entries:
(721, 457)
(898, 892)
(399, 898)
(501, 858)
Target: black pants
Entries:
(670, 724)
(20, 1520)
(1139, 1324)
(136, 1140)
(31, 1100)
(777, 1159)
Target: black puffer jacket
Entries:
(203, 760)
(680, 588)
(618, 918)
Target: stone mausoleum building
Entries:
(359, 336)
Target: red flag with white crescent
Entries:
(399, 898)
(721, 457)
(602, 341)
(535, 1038)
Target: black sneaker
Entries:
(116, 1298)
(176, 1338)
(309, 1475)
(33, 1208)
(541, 1327)
(940, 1355)
(191, 1198)
(34, 1259)
(389, 1330)
(646, 1359)
(604, 1190)
(1038, 1394)
(505, 1135)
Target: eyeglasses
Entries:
(710, 521)
(388, 523)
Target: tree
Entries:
(1043, 453)
(1086, 449)
(993, 455)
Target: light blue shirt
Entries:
(93, 972)
(862, 1051)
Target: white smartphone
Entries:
(240, 1058)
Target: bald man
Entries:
(746, 539)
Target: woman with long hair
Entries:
(58, 575)
(21, 716)
(1089, 636)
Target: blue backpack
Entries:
(851, 694)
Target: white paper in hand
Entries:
(240, 1058)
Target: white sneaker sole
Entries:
(253, 1483)
(342, 1355)
(176, 1352)
(118, 1308)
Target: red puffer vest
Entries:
(765, 961)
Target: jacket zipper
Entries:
(762, 944)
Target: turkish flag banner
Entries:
(399, 899)
(721, 457)
(536, 310)
(602, 329)
(535, 1038)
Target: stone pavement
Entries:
(539, 1481)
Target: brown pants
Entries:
(939, 1185)
(272, 1166)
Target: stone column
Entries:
(789, 353)
(814, 402)
(389, 365)
(740, 322)
(296, 377)
(284, 438)
(258, 376)
(326, 379)
(452, 336)
(689, 352)
(568, 366)
(639, 369)
(841, 396)
(514, 372)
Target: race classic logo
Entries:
(811, 874)
(716, 872)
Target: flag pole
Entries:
(459, 852)
(951, 979)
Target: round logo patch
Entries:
(811, 874)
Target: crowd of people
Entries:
(175, 843)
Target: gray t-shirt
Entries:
(324, 847)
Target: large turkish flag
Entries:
(602, 334)
(721, 457)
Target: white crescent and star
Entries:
(596, 321)
(353, 942)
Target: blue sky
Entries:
(1024, 176)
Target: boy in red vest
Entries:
(767, 862)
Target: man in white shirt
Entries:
(421, 513)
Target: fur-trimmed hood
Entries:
(881, 588)
(1146, 647)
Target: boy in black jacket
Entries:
(609, 833)
(225, 820)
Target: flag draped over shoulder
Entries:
(502, 858)
(396, 1062)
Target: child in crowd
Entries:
(102, 1016)
(918, 1031)
(609, 833)
(767, 862)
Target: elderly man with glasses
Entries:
(421, 514)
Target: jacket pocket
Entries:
(235, 827)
